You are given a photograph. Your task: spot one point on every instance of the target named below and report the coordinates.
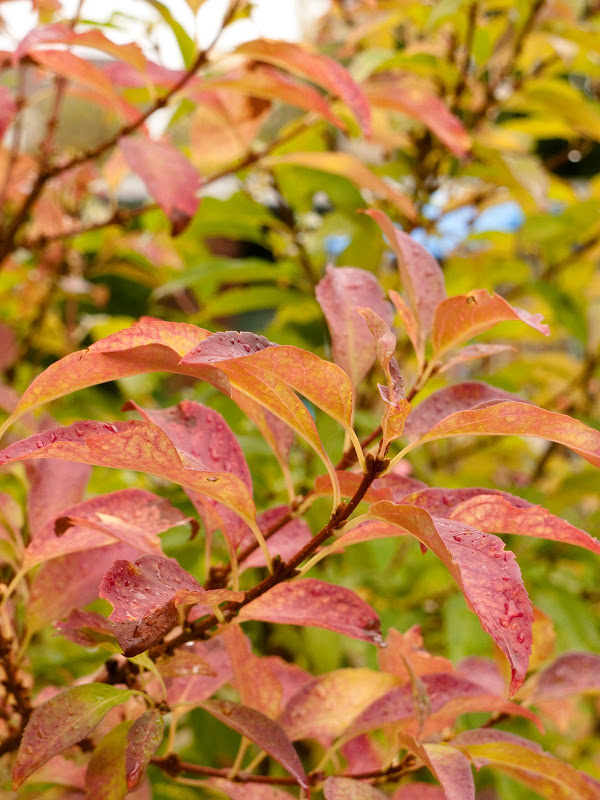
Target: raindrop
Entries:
(52, 437)
(520, 637)
(79, 432)
(39, 443)
(457, 538)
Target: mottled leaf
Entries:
(352, 168)
(406, 95)
(339, 293)
(261, 730)
(257, 685)
(421, 276)
(446, 401)
(105, 775)
(312, 602)
(488, 576)
(61, 722)
(464, 316)
(527, 762)
(325, 707)
(502, 513)
(348, 789)
(318, 68)
(449, 766)
(170, 178)
(193, 688)
(519, 419)
(143, 740)
(86, 628)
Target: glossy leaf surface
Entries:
(143, 739)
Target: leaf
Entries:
(488, 576)
(317, 68)
(207, 441)
(195, 685)
(187, 48)
(473, 351)
(261, 730)
(68, 65)
(143, 739)
(446, 401)
(105, 775)
(519, 419)
(62, 721)
(169, 177)
(527, 762)
(54, 486)
(269, 83)
(390, 487)
(144, 593)
(285, 543)
(406, 95)
(339, 294)
(418, 791)
(421, 276)
(408, 320)
(325, 707)
(150, 345)
(86, 628)
(569, 674)
(248, 791)
(349, 166)
(8, 109)
(502, 513)
(403, 648)
(137, 446)
(448, 765)
(348, 789)
(397, 407)
(460, 318)
(312, 602)
(257, 685)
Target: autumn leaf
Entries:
(348, 789)
(257, 685)
(63, 721)
(143, 739)
(105, 775)
(448, 765)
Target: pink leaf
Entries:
(261, 730)
(520, 419)
(397, 408)
(312, 602)
(405, 94)
(290, 676)
(488, 576)
(62, 721)
(194, 686)
(390, 487)
(286, 542)
(248, 791)
(464, 316)
(421, 276)
(448, 765)
(446, 401)
(571, 673)
(54, 486)
(348, 789)
(8, 109)
(143, 740)
(474, 351)
(503, 513)
(419, 791)
(317, 68)
(68, 65)
(323, 708)
(86, 628)
(257, 685)
(169, 177)
(403, 648)
(339, 293)
(484, 672)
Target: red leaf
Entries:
(195, 685)
(403, 648)
(405, 94)
(143, 740)
(488, 576)
(325, 707)
(261, 730)
(248, 791)
(150, 345)
(419, 791)
(397, 408)
(446, 401)
(169, 177)
(86, 628)
(502, 513)
(411, 326)
(448, 765)
(421, 276)
(390, 487)
(312, 602)
(519, 419)
(464, 316)
(339, 293)
(271, 84)
(137, 446)
(70, 66)
(291, 677)
(571, 673)
(8, 109)
(286, 542)
(348, 789)
(317, 68)
(257, 685)
(54, 486)
(134, 511)
(62, 721)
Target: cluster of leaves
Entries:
(421, 112)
